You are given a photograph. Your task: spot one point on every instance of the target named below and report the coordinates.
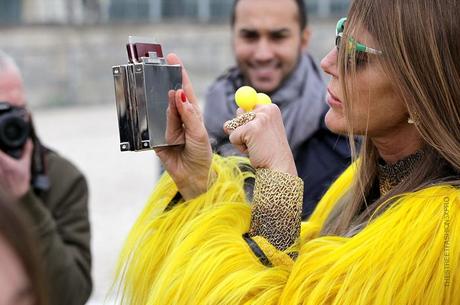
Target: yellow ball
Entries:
(263, 99)
(246, 98)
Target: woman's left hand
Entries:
(264, 140)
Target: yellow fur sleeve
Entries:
(194, 253)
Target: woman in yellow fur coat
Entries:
(386, 232)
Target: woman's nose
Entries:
(329, 63)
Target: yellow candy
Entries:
(263, 99)
(246, 98)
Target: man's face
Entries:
(267, 41)
(11, 88)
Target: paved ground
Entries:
(119, 182)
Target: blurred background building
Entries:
(66, 48)
(103, 11)
(70, 45)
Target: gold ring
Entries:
(240, 121)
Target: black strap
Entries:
(257, 251)
(39, 174)
(175, 200)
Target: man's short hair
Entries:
(301, 7)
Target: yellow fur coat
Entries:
(194, 252)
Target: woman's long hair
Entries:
(14, 230)
(421, 53)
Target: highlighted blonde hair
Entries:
(419, 40)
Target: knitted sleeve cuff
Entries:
(277, 208)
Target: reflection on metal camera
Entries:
(141, 92)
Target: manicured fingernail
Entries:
(183, 97)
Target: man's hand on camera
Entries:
(15, 173)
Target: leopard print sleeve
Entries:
(277, 208)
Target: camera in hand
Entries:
(141, 93)
(14, 129)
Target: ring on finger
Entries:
(240, 121)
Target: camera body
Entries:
(15, 129)
(141, 93)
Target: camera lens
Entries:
(13, 132)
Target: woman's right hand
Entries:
(189, 164)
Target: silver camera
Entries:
(141, 92)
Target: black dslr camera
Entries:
(14, 129)
(141, 92)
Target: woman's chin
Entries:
(336, 122)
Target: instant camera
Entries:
(141, 92)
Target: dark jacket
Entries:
(61, 225)
(321, 159)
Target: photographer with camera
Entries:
(50, 190)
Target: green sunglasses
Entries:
(352, 43)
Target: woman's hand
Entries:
(187, 164)
(264, 140)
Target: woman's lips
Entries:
(332, 100)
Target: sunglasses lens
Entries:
(338, 41)
(360, 57)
